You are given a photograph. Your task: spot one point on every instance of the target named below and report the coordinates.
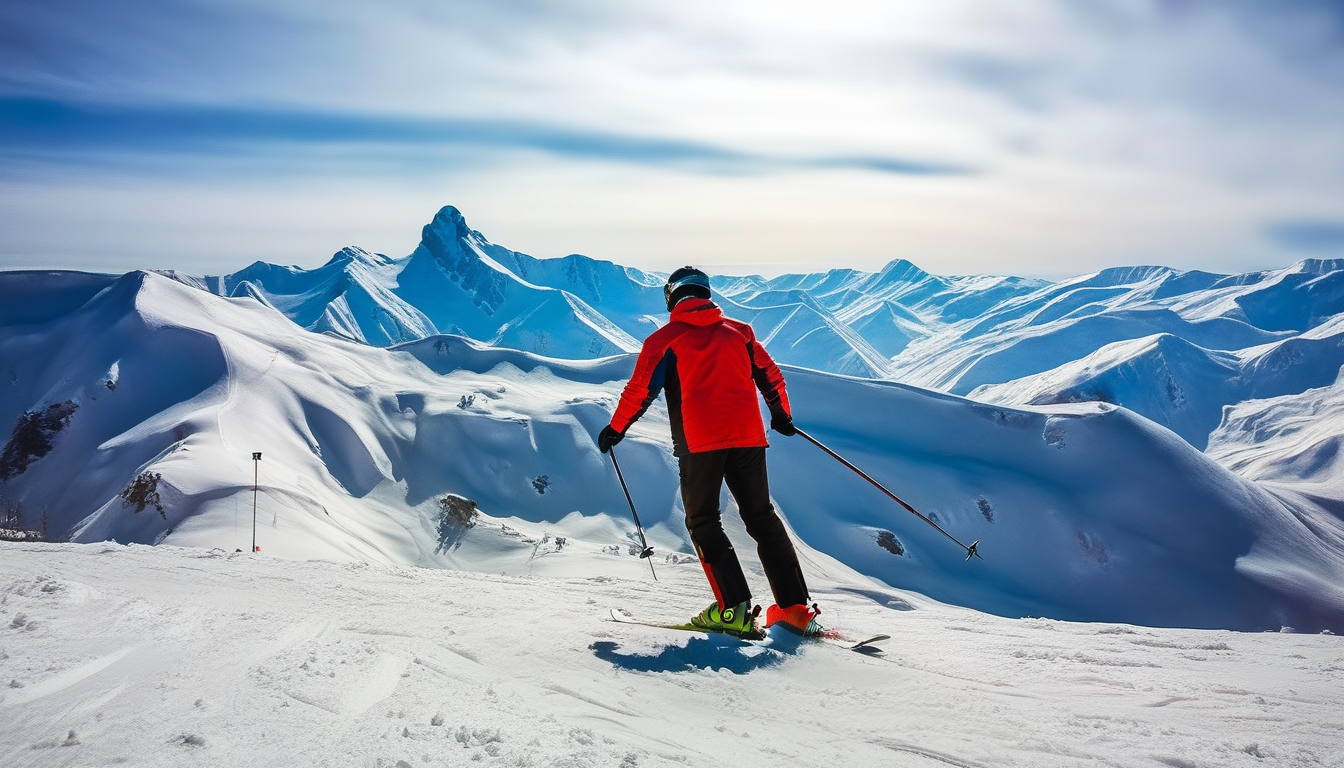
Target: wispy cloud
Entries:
(50, 128)
(964, 133)
(1315, 237)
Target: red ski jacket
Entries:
(710, 366)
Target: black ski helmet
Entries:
(687, 281)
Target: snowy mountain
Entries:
(1176, 347)
(1193, 384)
(138, 401)
(1290, 442)
(458, 282)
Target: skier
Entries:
(710, 367)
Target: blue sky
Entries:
(1039, 137)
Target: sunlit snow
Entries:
(1149, 458)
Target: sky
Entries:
(1037, 137)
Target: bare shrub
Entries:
(457, 515)
(144, 492)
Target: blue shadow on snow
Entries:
(710, 652)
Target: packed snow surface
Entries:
(162, 656)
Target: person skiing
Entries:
(710, 368)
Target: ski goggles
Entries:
(691, 279)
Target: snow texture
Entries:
(131, 655)
(1150, 460)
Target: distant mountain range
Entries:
(136, 404)
(1174, 346)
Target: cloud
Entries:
(48, 128)
(1316, 237)
(961, 133)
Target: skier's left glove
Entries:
(607, 438)
(783, 424)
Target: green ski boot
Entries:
(739, 621)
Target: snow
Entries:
(1149, 458)
(1085, 511)
(1176, 347)
(1193, 383)
(1291, 440)
(1180, 385)
(152, 656)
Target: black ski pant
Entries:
(702, 478)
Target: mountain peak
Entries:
(353, 253)
(901, 270)
(449, 223)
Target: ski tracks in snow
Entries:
(164, 656)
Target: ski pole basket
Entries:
(646, 551)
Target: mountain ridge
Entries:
(961, 334)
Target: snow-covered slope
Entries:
(1085, 511)
(351, 295)
(797, 331)
(130, 655)
(1179, 385)
(1176, 347)
(464, 284)
(1291, 441)
(173, 381)
(1156, 376)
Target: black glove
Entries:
(783, 424)
(607, 438)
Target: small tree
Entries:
(32, 437)
(11, 515)
(12, 525)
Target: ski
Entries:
(625, 617)
(829, 636)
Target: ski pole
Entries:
(647, 552)
(971, 551)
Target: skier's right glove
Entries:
(783, 424)
(607, 438)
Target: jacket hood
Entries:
(697, 312)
